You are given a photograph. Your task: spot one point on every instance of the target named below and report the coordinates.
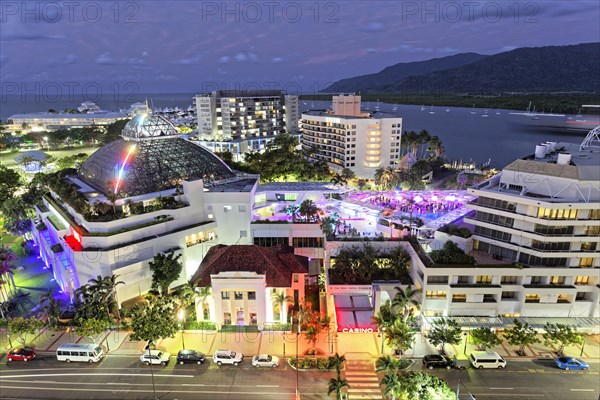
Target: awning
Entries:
(534, 322)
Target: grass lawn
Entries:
(7, 158)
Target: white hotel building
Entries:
(346, 137)
(241, 121)
(540, 220)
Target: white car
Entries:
(227, 357)
(265, 360)
(155, 357)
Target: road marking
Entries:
(583, 390)
(509, 394)
(252, 393)
(99, 374)
(267, 386)
(499, 388)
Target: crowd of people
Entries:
(421, 206)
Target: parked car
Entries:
(486, 359)
(21, 354)
(227, 357)
(265, 360)
(568, 363)
(190, 356)
(155, 357)
(432, 361)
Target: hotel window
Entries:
(459, 298)
(592, 230)
(594, 214)
(243, 234)
(549, 213)
(484, 279)
(582, 280)
(238, 295)
(536, 280)
(508, 295)
(509, 280)
(489, 298)
(588, 246)
(583, 296)
(295, 277)
(532, 298)
(557, 280)
(226, 208)
(435, 294)
(242, 209)
(225, 295)
(251, 295)
(437, 279)
(463, 279)
(586, 262)
(563, 298)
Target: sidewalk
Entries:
(352, 345)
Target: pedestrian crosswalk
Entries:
(363, 381)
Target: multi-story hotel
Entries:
(539, 221)
(346, 137)
(241, 121)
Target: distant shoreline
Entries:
(555, 103)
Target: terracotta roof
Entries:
(277, 263)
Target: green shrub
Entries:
(451, 254)
(201, 325)
(323, 363)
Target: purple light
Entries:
(418, 199)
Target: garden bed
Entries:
(309, 363)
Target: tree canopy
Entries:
(165, 268)
(153, 319)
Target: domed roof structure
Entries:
(149, 158)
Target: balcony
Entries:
(548, 286)
(474, 285)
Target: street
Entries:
(123, 377)
(538, 379)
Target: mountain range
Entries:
(574, 68)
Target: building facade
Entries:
(346, 137)
(244, 121)
(540, 220)
(246, 283)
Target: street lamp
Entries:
(150, 343)
(47, 144)
(297, 363)
(181, 317)
(466, 335)
(382, 338)
(467, 389)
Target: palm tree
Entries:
(393, 385)
(293, 211)
(435, 143)
(405, 300)
(411, 205)
(338, 179)
(400, 336)
(51, 308)
(308, 210)
(384, 177)
(112, 198)
(202, 295)
(387, 364)
(6, 269)
(336, 361)
(281, 299)
(423, 138)
(336, 385)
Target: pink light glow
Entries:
(123, 167)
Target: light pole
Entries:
(297, 363)
(466, 335)
(47, 144)
(467, 389)
(382, 333)
(582, 345)
(150, 343)
(181, 317)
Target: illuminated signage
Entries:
(358, 330)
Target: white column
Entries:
(218, 312)
(261, 306)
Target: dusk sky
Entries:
(188, 46)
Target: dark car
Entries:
(432, 361)
(21, 354)
(190, 356)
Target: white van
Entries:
(79, 352)
(486, 359)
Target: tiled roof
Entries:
(277, 263)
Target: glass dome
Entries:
(132, 168)
(148, 126)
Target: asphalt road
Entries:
(520, 380)
(123, 377)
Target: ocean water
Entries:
(466, 136)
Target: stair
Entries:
(363, 380)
